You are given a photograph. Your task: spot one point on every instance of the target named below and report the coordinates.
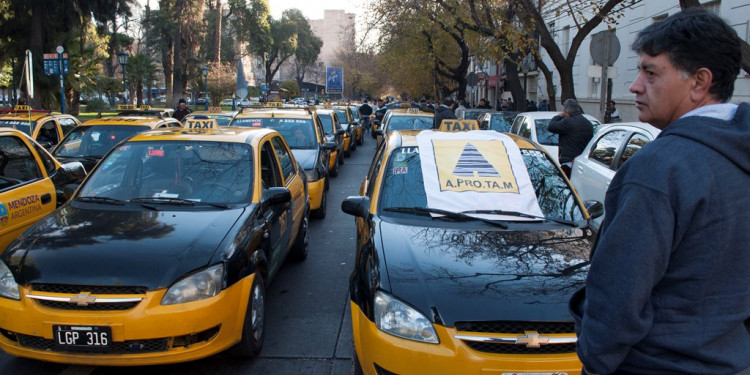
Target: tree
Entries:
(289, 89)
(141, 70)
(308, 45)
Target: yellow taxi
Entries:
(302, 129)
(31, 182)
(404, 118)
(90, 141)
(471, 271)
(45, 127)
(162, 255)
(353, 131)
(334, 133)
(222, 117)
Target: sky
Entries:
(313, 9)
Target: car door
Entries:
(277, 218)
(26, 191)
(593, 171)
(291, 179)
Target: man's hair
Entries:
(612, 102)
(571, 106)
(448, 101)
(181, 101)
(694, 39)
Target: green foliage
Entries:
(289, 89)
(96, 105)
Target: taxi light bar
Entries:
(458, 125)
(126, 107)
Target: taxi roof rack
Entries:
(309, 109)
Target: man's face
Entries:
(183, 105)
(662, 92)
(380, 103)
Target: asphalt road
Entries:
(308, 323)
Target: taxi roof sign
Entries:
(201, 123)
(215, 109)
(275, 104)
(458, 125)
(126, 107)
(145, 107)
(22, 107)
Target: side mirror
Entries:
(356, 205)
(274, 196)
(376, 122)
(595, 208)
(379, 132)
(340, 132)
(330, 146)
(73, 171)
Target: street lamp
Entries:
(204, 73)
(122, 58)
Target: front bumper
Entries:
(146, 334)
(377, 349)
(333, 159)
(315, 190)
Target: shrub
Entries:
(97, 105)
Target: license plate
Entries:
(82, 338)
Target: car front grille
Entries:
(93, 307)
(517, 329)
(99, 291)
(93, 289)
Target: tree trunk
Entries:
(167, 58)
(177, 67)
(217, 33)
(549, 78)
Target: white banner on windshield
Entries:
(475, 170)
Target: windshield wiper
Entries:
(460, 216)
(521, 214)
(177, 202)
(101, 200)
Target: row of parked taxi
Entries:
(469, 242)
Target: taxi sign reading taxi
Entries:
(195, 123)
(458, 125)
(22, 107)
(126, 107)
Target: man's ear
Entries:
(703, 81)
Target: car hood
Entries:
(85, 246)
(485, 275)
(306, 157)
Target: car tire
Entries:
(353, 145)
(320, 213)
(348, 152)
(360, 140)
(301, 244)
(253, 327)
(341, 157)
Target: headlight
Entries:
(8, 285)
(198, 286)
(312, 175)
(396, 318)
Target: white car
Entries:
(533, 125)
(611, 146)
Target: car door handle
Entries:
(46, 198)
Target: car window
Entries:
(403, 184)
(298, 133)
(525, 130)
(48, 133)
(269, 175)
(18, 124)
(94, 140)
(377, 161)
(49, 165)
(327, 121)
(287, 167)
(342, 116)
(67, 124)
(607, 146)
(214, 172)
(409, 123)
(543, 135)
(17, 163)
(634, 144)
(516, 128)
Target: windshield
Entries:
(543, 135)
(342, 116)
(298, 133)
(501, 122)
(21, 125)
(94, 140)
(211, 172)
(409, 123)
(403, 184)
(221, 120)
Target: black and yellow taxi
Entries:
(31, 183)
(222, 117)
(162, 255)
(302, 129)
(404, 117)
(336, 134)
(45, 127)
(88, 142)
(350, 126)
(357, 130)
(469, 245)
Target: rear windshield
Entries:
(94, 140)
(298, 133)
(18, 124)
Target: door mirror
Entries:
(274, 196)
(73, 171)
(595, 208)
(358, 206)
(330, 146)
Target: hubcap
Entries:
(257, 313)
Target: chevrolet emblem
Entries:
(83, 299)
(532, 340)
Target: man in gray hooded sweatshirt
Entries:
(668, 291)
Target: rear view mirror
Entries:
(595, 208)
(358, 206)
